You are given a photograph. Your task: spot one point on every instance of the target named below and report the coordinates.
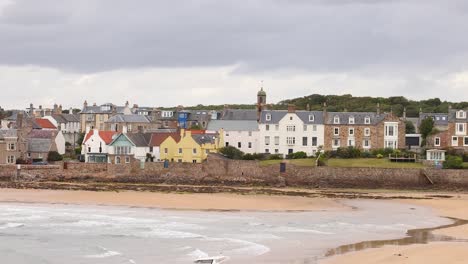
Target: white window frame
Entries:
(11, 159)
(336, 120)
(312, 142)
(351, 120)
(351, 142)
(268, 117)
(454, 142)
(367, 120)
(463, 128)
(291, 128)
(314, 128)
(465, 141)
(276, 127)
(127, 159)
(335, 129)
(336, 145)
(305, 128)
(461, 114)
(290, 141)
(277, 140)
(437, 139)
(353, 131)
(267, 127)
(311, 118)
(367, 132)
(364, 143)
(267, 140)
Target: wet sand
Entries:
(218, 201)
(432, 253)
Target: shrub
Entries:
(453, 162)
(297, 155)
(248, 156)
(348, 153)
(275, 157)
(54, 156)
(366, 155)
(231, 152)
(379, 156)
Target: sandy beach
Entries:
(447, 205)
(432, 253)
(184, 201)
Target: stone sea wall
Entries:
(242, 173)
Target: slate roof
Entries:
(66, 118)
(440, 119)
(6, 133)
(39, 145)
(98, 109)
(140, 139)
(233, 125)
(158, 138)
(128, 119)
(359, 117)
(277, 115)
(42, 134)
(452, 115)
(204, 139)
(239, 114)
(45, 123)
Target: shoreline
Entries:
(444, 204)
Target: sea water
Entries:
(59, 233)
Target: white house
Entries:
(285, 132)
(242, 134)
(95, 145)
(127, 146)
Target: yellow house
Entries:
(190, 148)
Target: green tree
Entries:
(409, 127)
(231, 152)
(425, 128)
(453, 162)
(54, 156)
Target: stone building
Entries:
(9, 146)
(94, 117)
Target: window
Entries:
(166, 150)
(117, 160)
(336, 120)
(267, 140)
(194, 151)
(461, 114)
(290, 140)
(207, 151)
(127, 159)
(179, 160)
(351, 143)
(276, 151)
(227, 144)
(351, 120)
(336, 131)
(367, 120)
(151, 149)
(314, 141)
(304, 141)
(250, 133)
(268, 117)
(180, 150)
(314, 128)
(11, 146)
(89, 149)
(305, 128)
(391, 130)
(460, 128)
(437, 141)
(250, 145)
(367, 132)
(276, 127)
(239, 145)
(465, 141)
(390, 144)
(277, 140)
(119, 150)
(454, 141)
(194, 161)
(290, 118)
(11, 160)
(267, 127)
(267, 151)
(366, 143)
(311, 118)
(336, 143)
(227, 134)
(291, 128)
(351, 131)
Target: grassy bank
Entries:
(350, 163)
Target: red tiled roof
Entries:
(45, 123)
(158, 138)
(197, 131)
(104, 135)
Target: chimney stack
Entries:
(85, 104)
(308, 107)
(378, 108)
(291, 108)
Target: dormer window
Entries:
(336, 120)
(461, 114)
(311, 118)
(351, 120)
(367, 120)
(268, 117)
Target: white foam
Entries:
(197, 253)
(106, 254)
(171, 234)
(11, 225)
(288, 229)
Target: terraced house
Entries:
(94, 117)
(363, 130)
(284, 132)
(9, 146)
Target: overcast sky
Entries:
(164, 53)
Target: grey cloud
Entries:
(317, 35)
